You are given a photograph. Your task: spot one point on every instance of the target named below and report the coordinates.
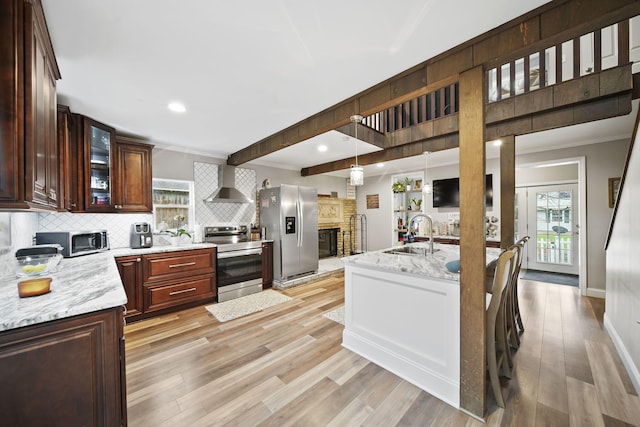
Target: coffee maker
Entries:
(140, 235)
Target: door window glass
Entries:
(554, 227)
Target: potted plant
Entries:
(177, 235)
(407, 183)
(417, 202)
(398, 187)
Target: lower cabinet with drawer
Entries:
(159, 283)
(164, 295)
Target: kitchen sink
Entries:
(409, 250)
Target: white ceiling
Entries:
(246, 70)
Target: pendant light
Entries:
(426, 187)
(357, 173)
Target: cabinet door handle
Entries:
(186, 264)
(182, 291)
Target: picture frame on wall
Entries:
(418, 185)
(614, 186)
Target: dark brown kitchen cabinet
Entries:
(178, 264)
(113, 172)
(28, 142)
(69, 159)
(163, 282)
(133, 178)
(98, 142)
(65, 372)
(130, 268)
(158, 296)
(267, 264)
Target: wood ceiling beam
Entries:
(366, 134)
(433, 144)
(597, 109)
(547, 25)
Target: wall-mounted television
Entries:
(446, 192)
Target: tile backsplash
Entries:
(117, 225)
(24, 225)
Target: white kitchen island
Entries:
(402, 312)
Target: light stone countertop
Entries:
(80, 285)
(432, 265)
(117, 252)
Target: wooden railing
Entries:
(439, 103)
(593, 52)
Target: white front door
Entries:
(551, 223)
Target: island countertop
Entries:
(432, 265)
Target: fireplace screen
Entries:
(328, 242)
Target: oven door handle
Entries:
(243, 252)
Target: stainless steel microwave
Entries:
(75, 243)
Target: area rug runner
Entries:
(242, 306)
(336, 315)
(548, 277)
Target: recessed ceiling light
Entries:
(322, 148)
(177, 107)
(380, 165)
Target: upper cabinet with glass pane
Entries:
(99, 140)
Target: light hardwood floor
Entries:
(285, 366)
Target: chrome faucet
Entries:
(430, 229)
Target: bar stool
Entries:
(514, 291)
(497, 347)
(511, 331)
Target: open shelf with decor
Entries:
(407, 201)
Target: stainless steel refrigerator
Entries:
(289, 215)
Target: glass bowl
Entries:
(36, 265)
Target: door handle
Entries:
(299, 219)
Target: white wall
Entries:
(526, 177)
(622, 310)
(380, 221)
(603, 161)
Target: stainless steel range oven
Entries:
(239, 270)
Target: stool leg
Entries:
(516, 307)
(492, 362)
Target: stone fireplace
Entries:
(334, 214)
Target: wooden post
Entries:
(507, 190)
(472, 243)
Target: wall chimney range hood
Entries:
(227, 191)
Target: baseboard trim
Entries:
(631, 368)
(596, 293)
